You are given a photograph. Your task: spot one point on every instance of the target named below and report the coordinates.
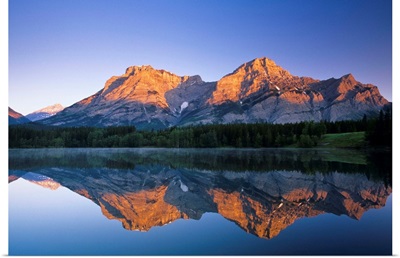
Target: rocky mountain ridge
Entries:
(257, 91)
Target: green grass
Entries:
(343, 140)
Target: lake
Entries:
(199, 202)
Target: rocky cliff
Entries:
(257, 91)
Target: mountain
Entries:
(257, 91)
(45, 112)
(15, 118)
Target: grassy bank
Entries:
(343, 140)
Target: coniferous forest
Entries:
(378, 132)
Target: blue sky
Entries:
(63, 51)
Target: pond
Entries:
(199, 202)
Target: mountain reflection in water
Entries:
(262, 191)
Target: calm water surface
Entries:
(180, 201)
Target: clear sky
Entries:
(64, 51)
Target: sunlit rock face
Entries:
(260, 75)
(262, 204)
(261, 91)
(143, 84)
(257, 91)
(135, 98)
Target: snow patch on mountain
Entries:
(183, 106)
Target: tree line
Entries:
(377, 166)
(303, 134)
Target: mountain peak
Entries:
(266, 65)
(349, 77)
(264, 61)
(346, 83)
(45, 112)
(51, 109)
(134, 69)
(258, 75)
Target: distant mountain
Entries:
(45, 112)
(15, 118)
(257, 91)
